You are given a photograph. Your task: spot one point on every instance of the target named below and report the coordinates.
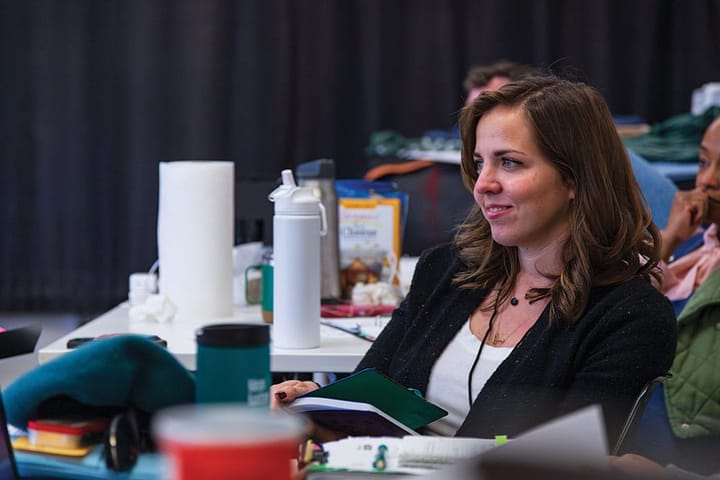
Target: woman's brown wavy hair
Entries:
(612, 237)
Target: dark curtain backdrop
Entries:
(95, 93)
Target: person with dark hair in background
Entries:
(690, 238)
(543, 303)
(656, 187)
(494, 76)
(437, 200)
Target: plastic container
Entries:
(61, 433)
(226, 442)
(298, 224)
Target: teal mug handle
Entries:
(265, 297)
(267, 292)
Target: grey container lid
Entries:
(233, 335)
(321, 168)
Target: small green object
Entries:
(379, 463)
(500, 439)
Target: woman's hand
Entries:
(288, 391)
(688, 210)
(713, 213)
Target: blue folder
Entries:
(90, 467)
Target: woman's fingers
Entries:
(696, 203)
(688, 210)
(288, 391)
(713, 211)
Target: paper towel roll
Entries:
(195, 237)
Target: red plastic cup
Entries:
(227, 441)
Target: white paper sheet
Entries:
(576, 439)
(576, 442)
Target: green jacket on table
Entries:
(692, 394)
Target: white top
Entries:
(448, 384)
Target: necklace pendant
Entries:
(497, 340)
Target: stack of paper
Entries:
(574, 441)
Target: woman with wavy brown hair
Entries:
(543, 303)
(610, 237)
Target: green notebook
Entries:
(368, 403)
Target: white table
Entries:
(338, 351)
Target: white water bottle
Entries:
(298, 224)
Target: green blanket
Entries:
(676, 139)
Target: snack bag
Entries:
(371, 219)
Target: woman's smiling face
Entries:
(519, 190)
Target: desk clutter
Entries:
(408, 455)
(88, 412)
(61, 436)
(575, 441)
(125, 404)
(334, 241)
(221, 442)
(149, 399)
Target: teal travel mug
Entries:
(233, 364)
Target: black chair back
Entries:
(637, 410)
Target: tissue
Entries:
(156, 308)
(195, 237)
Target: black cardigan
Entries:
(626, 337)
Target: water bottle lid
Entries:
(293, 200)
(233, 335)
(321, 168)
